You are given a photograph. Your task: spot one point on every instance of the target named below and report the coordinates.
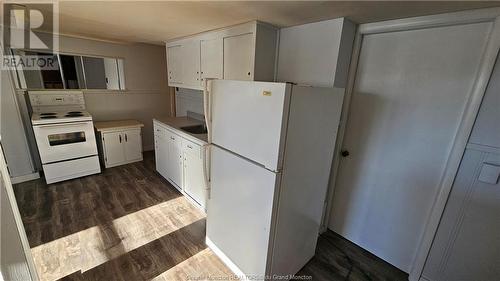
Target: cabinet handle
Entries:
(120, 137)
(126, 138)
(172, 138)
(248, 73)
(190, 147)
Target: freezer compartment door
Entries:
(248, 119)
(240, 210)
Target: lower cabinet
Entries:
(119, 145)
(181, 161)
(194, 178)
(161, 151)
(174, 160)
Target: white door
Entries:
(161, 151)
(248, 117)
(191, 63)
(133, 144)
(175, 159)
(114, 152)
(194, 179)
(174, 64)
(212, 56)
(240, 210)
(411, 89)
(239, 53)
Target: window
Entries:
(70, 72)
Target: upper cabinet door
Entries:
(174, 64)
(239, 57)
(191, 63)
(212, 55)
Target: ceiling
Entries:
(157, 21)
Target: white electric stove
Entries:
(64, 135)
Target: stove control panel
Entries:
(55, 99)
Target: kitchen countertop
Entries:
(117, 124)
(177, 122)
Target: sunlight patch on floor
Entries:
(91, 247)
(205, 265)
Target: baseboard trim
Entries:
(226, 260)
(23, 178)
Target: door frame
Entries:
(468, 116)
(11, 198)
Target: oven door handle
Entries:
(63, 124)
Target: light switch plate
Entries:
(489, 173)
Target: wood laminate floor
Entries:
(128, 223)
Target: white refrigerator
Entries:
(271, 152)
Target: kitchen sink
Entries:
(196, 129)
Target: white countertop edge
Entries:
(181, 133)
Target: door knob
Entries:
(344, 153)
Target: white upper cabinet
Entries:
(316, 54)
(174, 64)
(191, 64)
(239, 57)
(212, 55)
(242, 52)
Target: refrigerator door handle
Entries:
(207, 107)
(206, 168)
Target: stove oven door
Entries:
(64, 141)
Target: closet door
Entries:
(411, 89)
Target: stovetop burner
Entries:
(74, 112)
(73, 115)
(48, 117)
